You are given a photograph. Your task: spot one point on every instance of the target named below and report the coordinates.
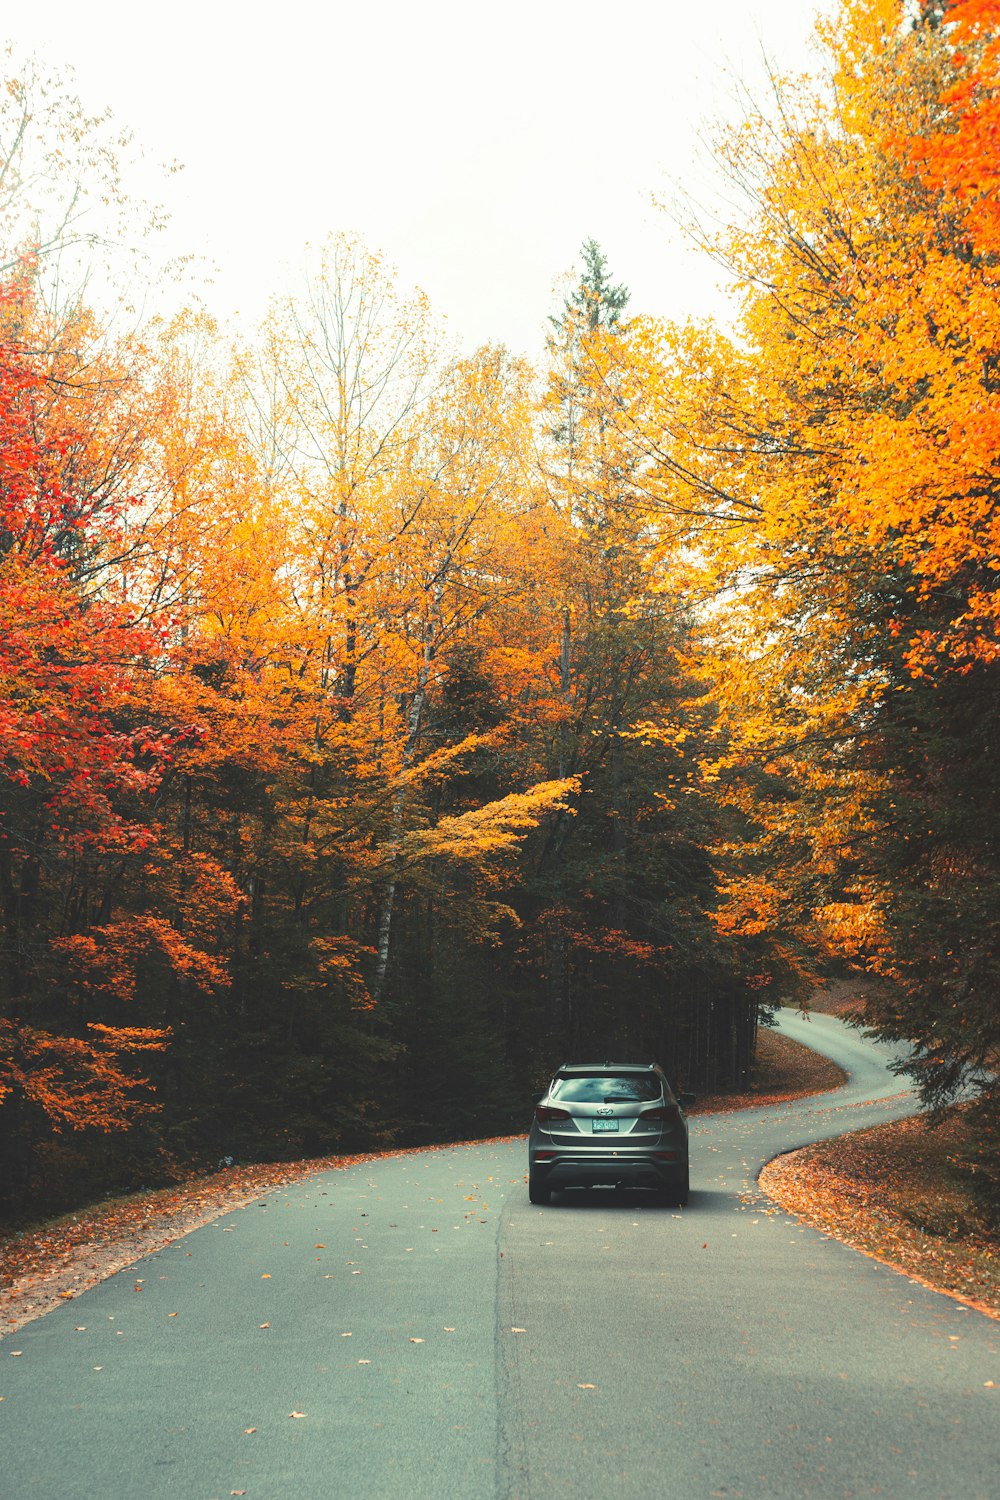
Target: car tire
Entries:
(680, 1189)
(536, 1192)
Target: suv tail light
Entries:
(666, 1112)
(545, 1112)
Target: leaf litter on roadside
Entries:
(895, 1192)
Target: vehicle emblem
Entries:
(605, 1109)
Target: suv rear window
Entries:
(603, 1088)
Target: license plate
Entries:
(604, 1125)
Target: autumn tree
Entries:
(331, 547)
(359, 733)
(624, 891)
(73, 764)
(834, 471)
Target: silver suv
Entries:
(609, 1123)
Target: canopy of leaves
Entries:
(378, 725)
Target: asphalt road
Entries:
(413, 1327)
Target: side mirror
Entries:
(686, 1100)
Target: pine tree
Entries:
(594, 302)
(593, 305)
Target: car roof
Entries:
(607, 1067)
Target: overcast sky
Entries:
(477, 145)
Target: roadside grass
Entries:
(899, 1193)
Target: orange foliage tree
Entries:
(833, 472)
(352, 737)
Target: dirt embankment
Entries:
(783, 1070)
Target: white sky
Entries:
(477, 145)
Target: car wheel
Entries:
(679, 1190)
(536, 1192)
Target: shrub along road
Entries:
(412, 1326)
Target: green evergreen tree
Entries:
(594, 303)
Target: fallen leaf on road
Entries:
(416, 1341)
(585, 1386)
(16, 1353)
(81, 1328)
(518, 1330)
(265, 1325)
(248, 1430)
(265, 1276)
(165, 1215)
(319, 1247)
(296, 1413)
(347, 1335)
(364, 1361)
(449, 1330)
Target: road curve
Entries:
(413, 1327)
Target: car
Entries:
(611, 1123)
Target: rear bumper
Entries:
(600, 1168)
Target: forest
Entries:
(380, 725)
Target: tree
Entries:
(626, 891)
(72, 760)
(835, 472)
(68, 215)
